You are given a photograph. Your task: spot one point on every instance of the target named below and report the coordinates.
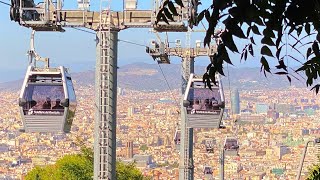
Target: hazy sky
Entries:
(74, 47)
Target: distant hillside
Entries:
(142, 76)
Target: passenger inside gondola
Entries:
(207, 170)
(57, 105)
(196, 105)
(47, 104)
(177, 141)
(231, 144)
(214, 104)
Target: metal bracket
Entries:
(33, 56)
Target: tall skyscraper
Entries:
(235, 102)
(129, 148)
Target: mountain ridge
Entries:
(149, 77)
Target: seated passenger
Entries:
(196, 105)
(214, 103)
(33, 103)
(47, 104)
(57, 106)
(206, 106)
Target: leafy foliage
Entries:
(274, 21)
(314, 172)
(128, 172)
(80, 167)
(143, 147)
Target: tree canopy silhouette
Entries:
(272, 21)
(80, 167)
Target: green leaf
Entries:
(268, 33)
(172, 8)
(315, 48)
(251, 50)
(222, 51)
(207, 15)
(179, 2)
(281, 65)
(307, 28)
(318, 37)
(165, 3)
(268, 41)
(159, 16)
(278, 41)
(252, 41)
(245, 54)
(168, 14)
(266, 51)
(228, 41)
(281, 73)
(289, 79)
(309, 52)
(248, 31)
(208, 82)
(205, 77)
(236, 30)
(200, 16)
(278, 52)
(163, 17)
(255, 30)
(316, 88)
(299, 30)
(265, 65)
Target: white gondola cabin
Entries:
(209, 145)
(47, 100)
(207, 170)
(177, 139)
(231, 146)
(204, 107)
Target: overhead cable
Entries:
(168, 86)
(2, 2)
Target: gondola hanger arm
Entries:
(33, 54)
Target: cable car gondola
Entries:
(204, 107)
(47, 100)
(177, 139)
(208, 172)
(209, 145)
(231, 146)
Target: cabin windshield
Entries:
(231, 144)
(177, 137)
(209, 144)
(43, 99)
(203, 100)
(207, 170)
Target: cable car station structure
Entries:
(50, 16)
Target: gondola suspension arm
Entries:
(33, 56)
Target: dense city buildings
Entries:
(271, 127)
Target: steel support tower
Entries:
(161, 52)
(49, 16)
(106, 96)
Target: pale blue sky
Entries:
(76, 47)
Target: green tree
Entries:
(80, 167)
(128, 172)
(273, 22)
(40, 173)
(314, 172)
(143, 147)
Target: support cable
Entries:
(177, 103)
(2, 2)
(120, 40)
